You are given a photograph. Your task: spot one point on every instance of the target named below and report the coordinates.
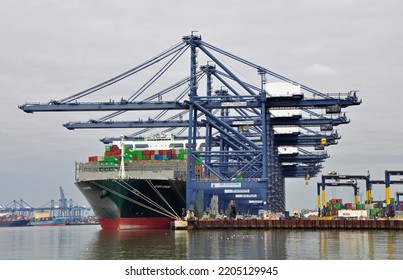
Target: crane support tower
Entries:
(254, 128)
(351, 183)
(388, 174)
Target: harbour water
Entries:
(89, 242)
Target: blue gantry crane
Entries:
(241, 121)
(342, 180)
(62, 208)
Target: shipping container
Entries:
(92, 158)
(111, 159)
(353, 213)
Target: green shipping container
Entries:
(111, 159)
(107, 148)
(137, 153)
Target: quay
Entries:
(319, 224)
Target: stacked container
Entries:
(112, 156)
(333, 207)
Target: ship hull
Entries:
(18, 223)
(122, 204)
(136, 223)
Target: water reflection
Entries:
(247, 244)
(90, 242)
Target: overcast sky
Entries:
(53, 49)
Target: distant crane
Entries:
(63, 208)
(20, 208)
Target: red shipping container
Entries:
(92, 158)
(114, 148)
(112, 154)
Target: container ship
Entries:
(11, 220)
(137, 184)
(51, 221)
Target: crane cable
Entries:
(131, 200)
(126, 74)
(144, 197)
(161, 93)
(161, 196)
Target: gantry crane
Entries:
(238, 121)
(64, 208)
(350, 183)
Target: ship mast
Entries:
(122, 172)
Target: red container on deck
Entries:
(112, 154)
(93, 159)
(114, 148)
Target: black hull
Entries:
(19, 223)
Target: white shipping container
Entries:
(353, 213)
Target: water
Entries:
(89, 242)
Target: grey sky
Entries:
(53, 49)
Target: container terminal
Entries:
(213, 139)
(56, 212)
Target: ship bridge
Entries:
(243, 119)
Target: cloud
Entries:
(318, 70)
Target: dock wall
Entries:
(297, 224)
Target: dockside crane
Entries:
(349, 183)
(19, 207)
(64, 208)
(226, 118)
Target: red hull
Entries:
(135, 223)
